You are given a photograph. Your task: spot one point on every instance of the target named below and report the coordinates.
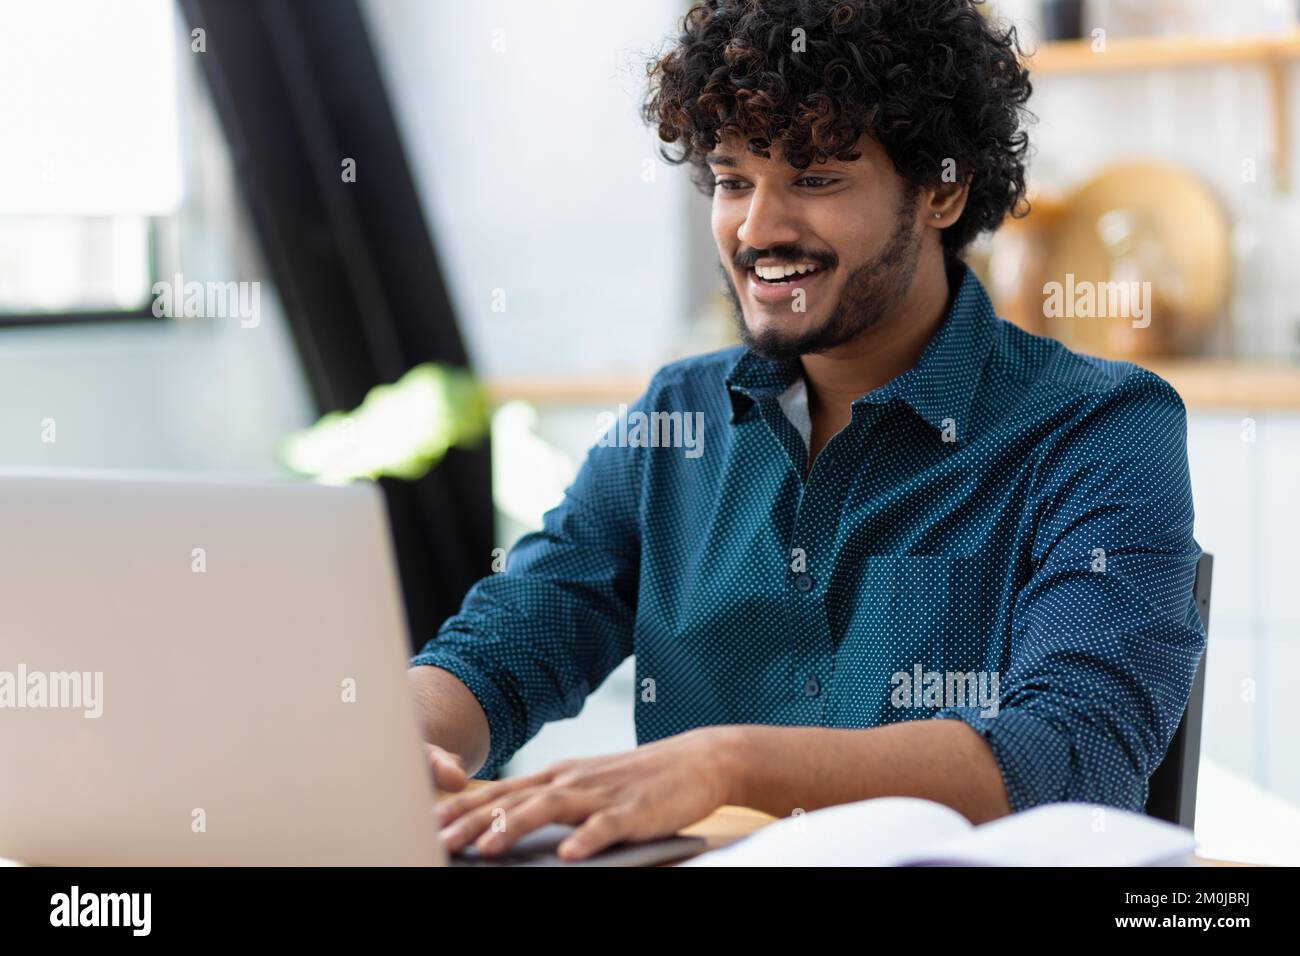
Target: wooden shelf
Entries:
(1204, 384)
(597, 389)
(1225, 384)
(1141, 53)
(1274, 53)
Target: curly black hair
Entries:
(931, 80)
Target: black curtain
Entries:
(298, 88)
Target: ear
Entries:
(942, 204)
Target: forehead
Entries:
(733, 150)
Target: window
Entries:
(92, 156)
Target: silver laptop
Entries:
(211, 671)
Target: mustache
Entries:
(785, 254)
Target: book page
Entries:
(1066, 834)
(880, 832)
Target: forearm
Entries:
(779, 769)
(453, 717)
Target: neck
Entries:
(838, 377)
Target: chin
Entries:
(787, 325)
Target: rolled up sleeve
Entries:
(1105, 635)
(532, 641)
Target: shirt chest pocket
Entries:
(913, 615)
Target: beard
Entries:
(871, 293)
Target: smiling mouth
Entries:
(780, 275)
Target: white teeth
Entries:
(776, 273)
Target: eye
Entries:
(817, 182)
(730, 184)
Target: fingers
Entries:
(448, 770)
(451, 808)
(470, 825)
(602, 829)
(497, 815)
(536, 808)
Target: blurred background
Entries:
(393, 182)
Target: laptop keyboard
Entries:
(539, 849)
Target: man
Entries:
(922, 552)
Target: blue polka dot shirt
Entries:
(1002, 535)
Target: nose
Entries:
(768, 221)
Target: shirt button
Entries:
(804, 582)
(812, 687)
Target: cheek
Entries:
(725, 225)
(865, 237)
(854, 224)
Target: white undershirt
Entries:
(794, 402)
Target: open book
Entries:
(904, 831)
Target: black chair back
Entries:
(1172, 788)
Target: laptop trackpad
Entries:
(538, 849)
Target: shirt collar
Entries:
(939, 387)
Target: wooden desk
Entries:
(728, 824)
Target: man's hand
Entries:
(644, 794)
(448, 769)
